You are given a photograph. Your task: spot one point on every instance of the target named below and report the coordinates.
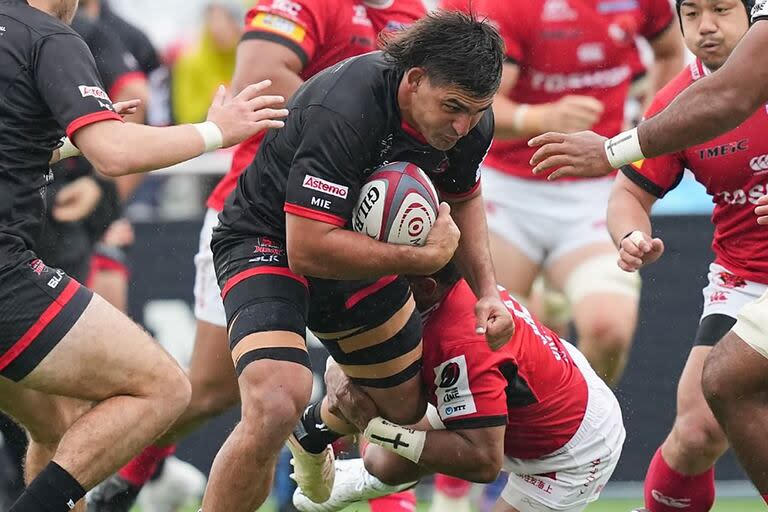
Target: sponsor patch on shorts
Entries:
(279, 25)
(454, 396)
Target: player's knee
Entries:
(698, 436)
(173, 392)
(606, 334)
(275, 410)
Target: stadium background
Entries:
(161, 294)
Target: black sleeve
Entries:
(327, 170)
(69, 83)
(462, 178)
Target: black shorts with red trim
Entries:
(40, 305)
(370, 327)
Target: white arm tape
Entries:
(67, 149)
(403, 441)
(211, 134)
(624, 149)
(518, 118)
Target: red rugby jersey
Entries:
(734, 170)
(388, 15)
(567, 47)
(531, 385)
(321, 32)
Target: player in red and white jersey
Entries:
(570, 65)
(534, 407)
(732, 167)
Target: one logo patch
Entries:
(326, 187)
(93, 91)
(454, 396)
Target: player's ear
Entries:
(414, 77)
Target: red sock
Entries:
(401, 502)
(666, 490)
(141, 468)
(765, 498)
(451, 486)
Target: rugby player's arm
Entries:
(629, 209)
(326, 251)
(505, 110)
(668, 59)
(135, 89)
(259, 59)
(473, 254)
(716, 103)
(470, 454)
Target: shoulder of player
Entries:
(40, 24)
(678, 84)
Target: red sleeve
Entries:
(470, 390)
(658, 15)
(296, 24)
(660, 174)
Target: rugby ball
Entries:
(397, 204)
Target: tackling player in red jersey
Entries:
(535, 407)
(733, 169)
(569, 64)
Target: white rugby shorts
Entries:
(574, 476)
(209, 306)
(544, 219)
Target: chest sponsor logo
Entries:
(326, 187)
(561, 82)
(759, 164)
(590, 53)
(454, 396)
(732, 281)
(93, 91)
(728, 148)
(360, 16)
(740, 196)
(612, 6)
(558, 10)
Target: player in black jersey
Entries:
(286, 261)
(56, 337)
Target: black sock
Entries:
(312, 433)
(54, 490)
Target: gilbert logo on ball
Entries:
(397, 204)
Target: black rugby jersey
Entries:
(50, 86)
(343, 124)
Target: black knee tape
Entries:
(266, 315)
(289, 354)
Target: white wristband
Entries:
(67, 149)
(403, 441)
(518, 119)
(624, 149)
(211, 134)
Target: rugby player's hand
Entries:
(126, 108)
(76, 200)
(246, 114)
(579, 154)
(493, 319)
(346, 400)
(442, 241)
(637, 250)
(572, 113)
(762, 210)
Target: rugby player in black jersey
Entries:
(56, 337)
(286, 259)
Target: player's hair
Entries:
(453, 48)
(448, 275)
